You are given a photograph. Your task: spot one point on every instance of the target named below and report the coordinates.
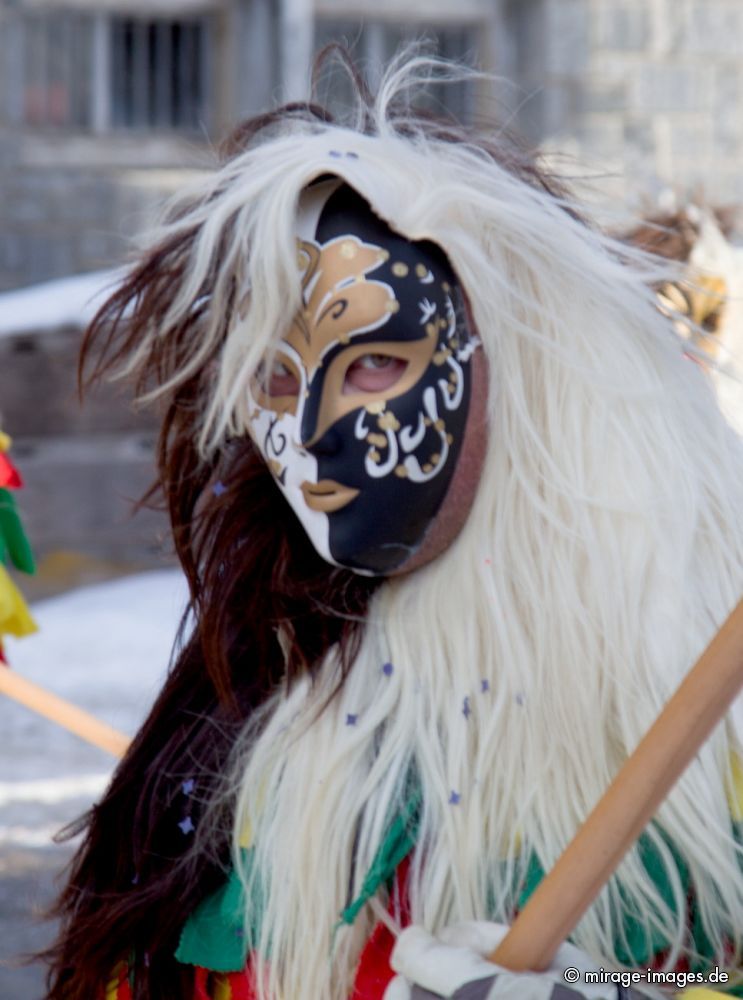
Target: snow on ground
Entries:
(65, 302)
(105, 648)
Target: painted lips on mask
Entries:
(363, 412)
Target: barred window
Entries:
(158, 71)
(55, 68)
(65, 69)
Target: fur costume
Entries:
(467, 715)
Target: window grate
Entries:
(157, 73)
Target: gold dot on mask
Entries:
(388, 422)
(440, 425)
(431, 329)
(427, 467)
(374, 455)
(449, 438)
(439, 357)
(421, 270)
(378, 440)
(435, 458)
(401, 471)
(348, 250)
(442, 323)
(275, 467)
(376, 407)
(392, 307)
(399, 269)
(446, 286)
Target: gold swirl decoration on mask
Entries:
(338, 299)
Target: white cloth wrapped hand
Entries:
(454, 966)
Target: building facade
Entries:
(104, 104)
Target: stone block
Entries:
(666, 87)
(622, 26)
(79, 496)
(567, 37)
(714, 28)
(38, 390)
(600, 95)
(692, 139)
(639, 137)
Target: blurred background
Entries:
(108, 106)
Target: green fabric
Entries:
(214, 935)
(634, 947)
(14, 545)
(396, 846)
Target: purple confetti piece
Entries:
(351, 719)
(186, 825)
(520, 698)
(351, 155)
(335, 154)
(466, 710)
(135, 880)
(484, 686)
(188, 786)
(219, 488)
(387, 669)
(455, 798)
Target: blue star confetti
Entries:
(188, 786)
(484, 686)
(186, 826)
(388, 670)
(455, 798)
(351, 719)
(219, 488)
(466, 710)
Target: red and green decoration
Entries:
(15, 551)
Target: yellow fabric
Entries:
(736, 792)
(15, 618)
(699, 993)
(222, 989)
(112, 989)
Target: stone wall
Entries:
(83, 465)
(649, 90)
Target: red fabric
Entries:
(201, 984)
(241, 985)
(374, 973)
(9, 477)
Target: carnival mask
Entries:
(361, 412)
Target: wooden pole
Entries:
(629, 804)
(78, 721)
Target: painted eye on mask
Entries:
(373, 373)
(279, 380)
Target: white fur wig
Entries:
(603, 550)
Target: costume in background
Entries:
(15, 618)
(486, 443)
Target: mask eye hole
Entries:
(373, 373)
(277, 380)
